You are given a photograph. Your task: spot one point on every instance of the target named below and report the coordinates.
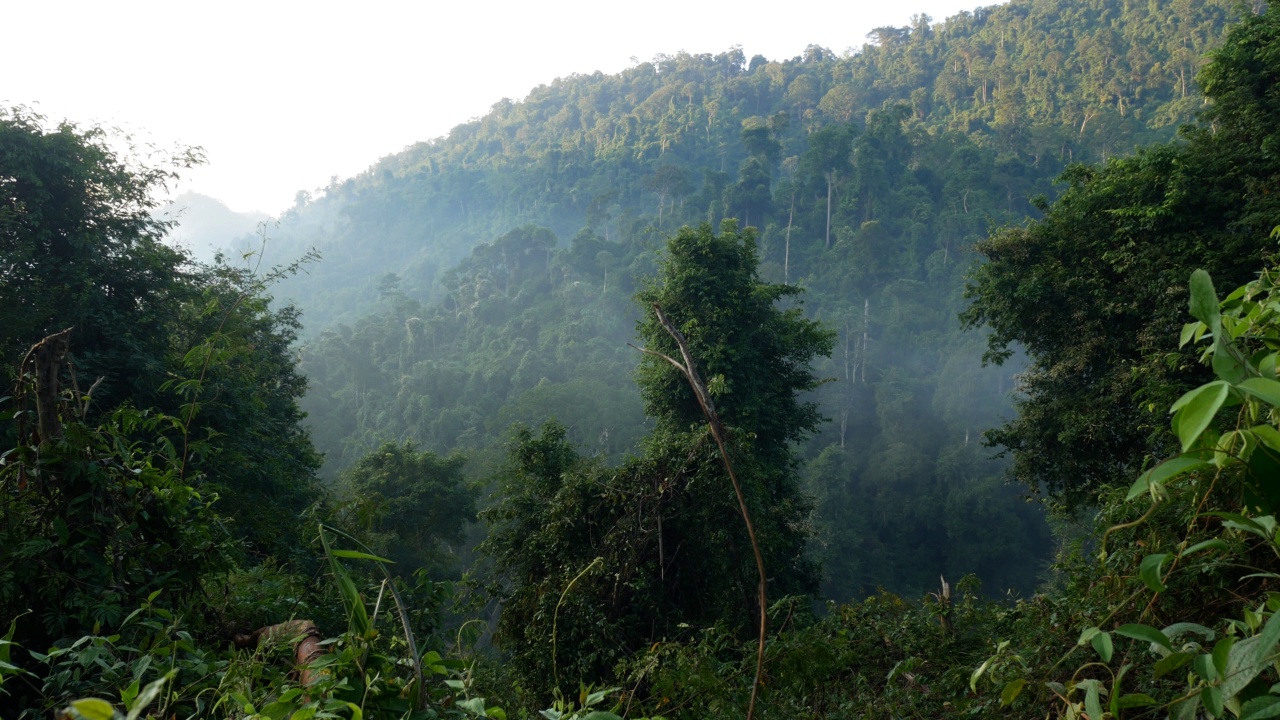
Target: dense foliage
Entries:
(165, 547)
(1092, 408)
(658, 544)
(517, 242)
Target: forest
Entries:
(933, 379)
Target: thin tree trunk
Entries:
(786, 253)
(866, 320)
(831, 181)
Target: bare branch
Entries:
(690, 371)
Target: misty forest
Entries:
(938, 378)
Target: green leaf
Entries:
(1165, 471)
(475, 706)
(1262, 526)
(1225, 364)
(1190, 331)
(357, 555)
(93, 709)
(1221, 652)
(356, 611)
(1204, 301)
(1263, 389)
(6, 642)
(1115, 689)
(1196, 410)
(597, 696)
(1251, 656)
(1267, 434)
(1204, 667)
(1185, 710)
(1145, 633)
(1091, 698)
(977, 674)
(1267, 365)
(1134, 700)
(1149, 571)
(1212, 698)
(127, 694)
(1267, 706)
(148, 695)
(598, 715)
(1211, 544)
(1176, 630)
(1102, 644)
(1011, 692)
(1087, 636)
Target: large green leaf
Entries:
(1196, 410)
(1204, 302)
(1102, 644)
(1133, 700)
(1146, 633)
(93, 709)
(1091, 699)
(1165, 471)
(1210, 544)
(1212, 697)
(1226, 365)
(1149, 571)
(1249, 657)
(1259, 708)
(1011, 691)
(357, 555)
(1185, 710)
(1168, 664)
(148, 696)
(1265, 390)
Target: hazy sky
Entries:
(284, 95)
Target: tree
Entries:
(754, 355)
(79, 249)
(828, 158)
(414, 505)
(1091, 290)
(232, 377)
(610, 560)
(668, 181)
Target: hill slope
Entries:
(486, 277)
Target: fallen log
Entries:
(304, 633)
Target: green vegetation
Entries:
(168, 547)
(486, 278)
(627, 538)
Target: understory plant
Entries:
(1180, 613)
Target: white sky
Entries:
(284, 95)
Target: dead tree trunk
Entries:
(44, 362)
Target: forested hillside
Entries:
(1035, 83)
(486, 278)
(802, 411)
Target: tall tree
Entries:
(1132, 229)
(828, 159)
(606, 561)
(79, 249)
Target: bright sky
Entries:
(282, 95)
